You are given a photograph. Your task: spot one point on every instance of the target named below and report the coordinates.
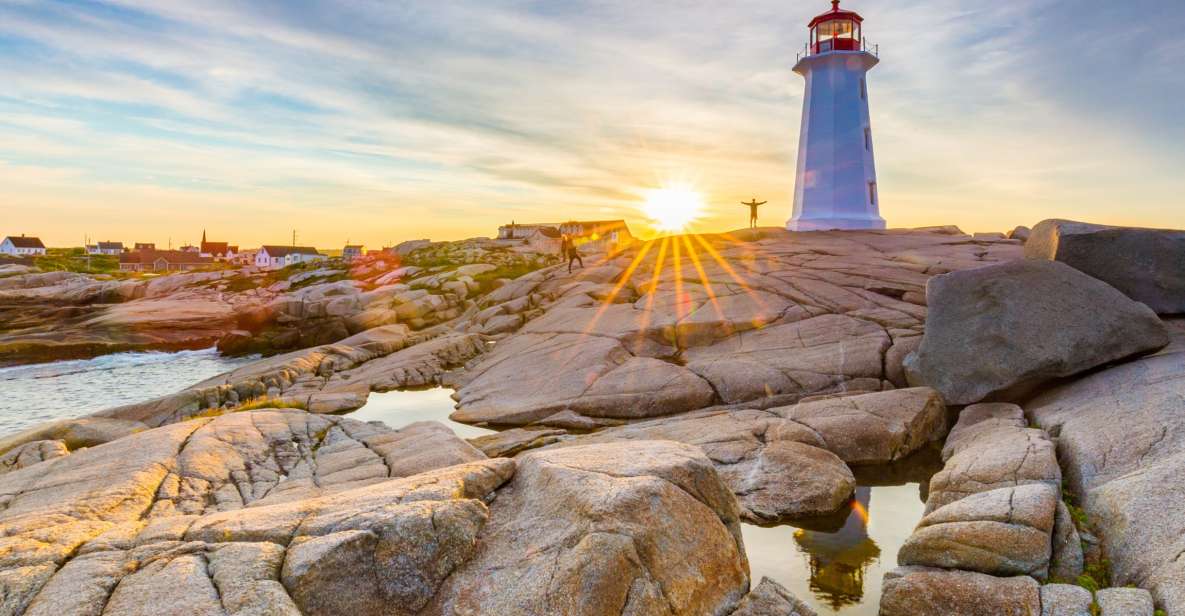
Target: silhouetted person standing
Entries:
(753, 211)
(568, 249)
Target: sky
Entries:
(376, 122)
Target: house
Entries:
(22, 246)
(598, 235)
(544, 239)
(151, 260)
(219, 251)
(143, 246)
(105, 248)
(245, 256)
(283, 256)
(352, 251)
(515, 231)
(190, 248)
(588, 235)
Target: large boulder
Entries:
(1002, 329)
(1145, 264)
(923, 591)
(633, 528)
(1121, 441)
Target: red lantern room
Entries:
(836, 30)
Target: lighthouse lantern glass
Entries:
(835, 35)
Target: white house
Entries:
(283, 256)
(105, 248)
(22, 246)
(835, 185)
(351, 252)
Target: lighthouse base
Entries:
(836, 224)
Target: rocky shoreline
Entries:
(647, 406)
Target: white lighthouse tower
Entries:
(835, 187)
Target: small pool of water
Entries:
(837, 564)
(400, 408)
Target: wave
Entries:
(113, 361)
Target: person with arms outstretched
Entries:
(753, 211)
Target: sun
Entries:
(672, 209)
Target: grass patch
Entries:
(267, 403)
(76, 260)
(251, 405)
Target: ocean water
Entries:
(63, 389)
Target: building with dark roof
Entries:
(283, 256)
(162, 261)
(22, 246)
(105, 248)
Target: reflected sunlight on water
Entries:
(400, 408)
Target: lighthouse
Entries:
(835, 185)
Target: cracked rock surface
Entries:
(286, 512)
(792, 461)
(1121, 438)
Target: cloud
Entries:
(384, 120)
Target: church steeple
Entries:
(203, 236)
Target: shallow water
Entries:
(841, 571)
(400, 408)
(62, 389)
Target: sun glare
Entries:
(672, 209)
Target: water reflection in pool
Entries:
(400, 408)
(837, 564)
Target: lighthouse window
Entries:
(872, 193)
(863, 90)
(868, 139)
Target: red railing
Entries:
(838, 44)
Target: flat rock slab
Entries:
(1002, 329)
(875, 428)
(48, 510)
(1145, 264)
(1121, 440)
(761, 321)
(921, 591)
(1001, 532)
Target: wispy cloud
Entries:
(385, 120)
